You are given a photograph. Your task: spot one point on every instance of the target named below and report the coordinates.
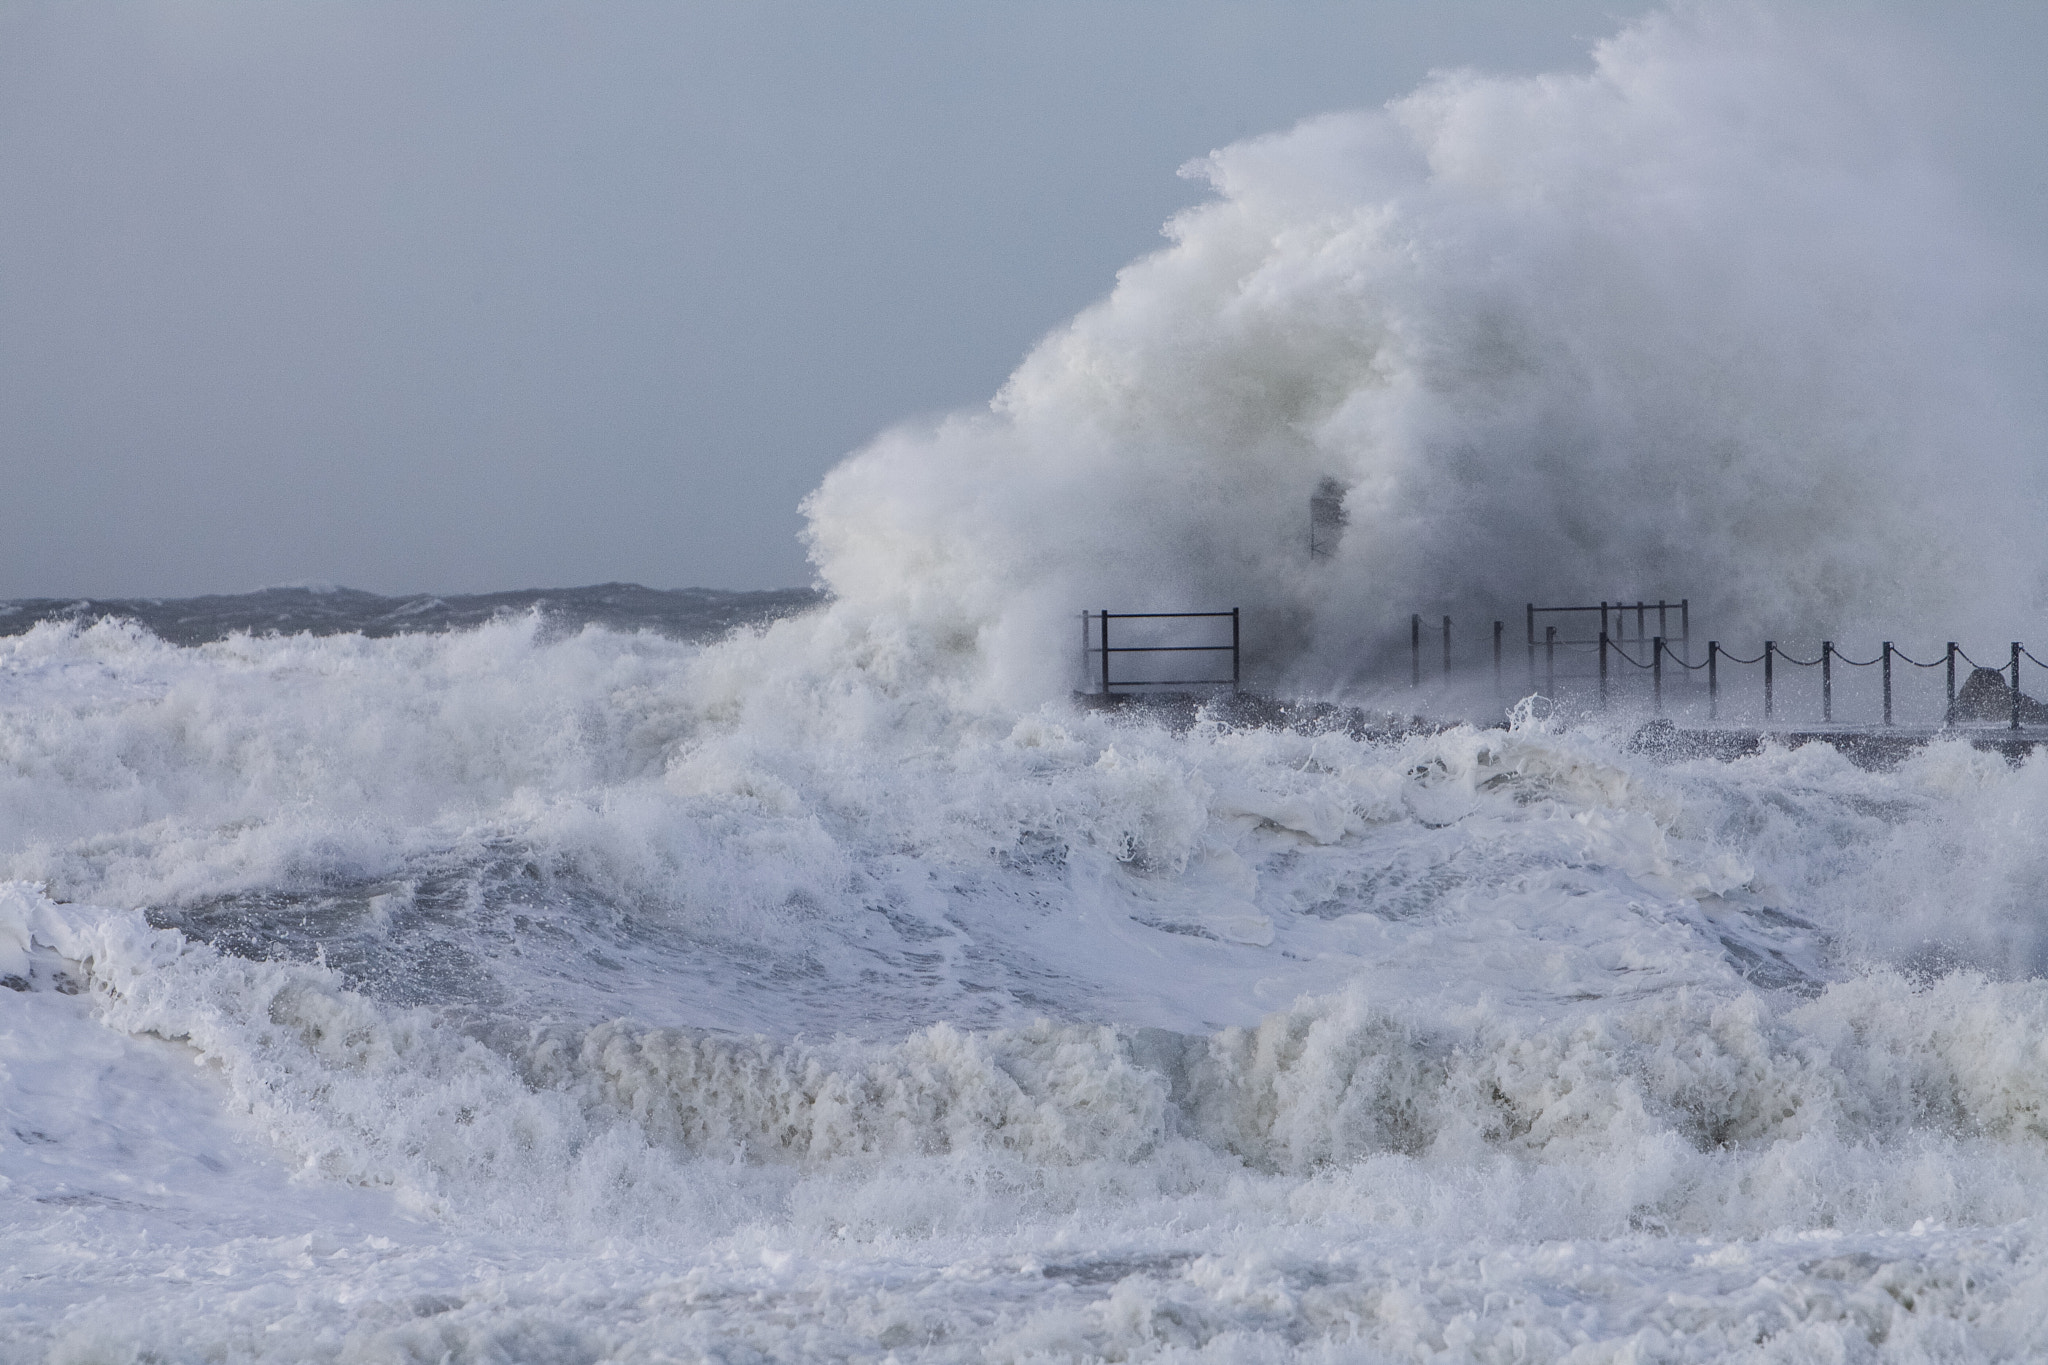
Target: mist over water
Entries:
(605, 975)
(1700, 323)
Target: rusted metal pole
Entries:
(1550, 662)
(1887, 682)
(1827, 682)
(1770, 651)
(1713, 680)
(1948, 716)
(1657, 675)
(1603, 670)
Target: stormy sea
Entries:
(612, 974)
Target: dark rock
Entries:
(1987, 695)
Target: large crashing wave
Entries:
(765, 993)
(1697, 322)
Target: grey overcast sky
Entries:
(466, 294)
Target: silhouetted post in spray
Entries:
(1105, 651)
(1603, 670)
(1949, 715)
(1415, 649)
(1713, 680)
(1550, 662)
(1827, 682)
(1447, 649)
(1532, 646)
(1236, 654)
(1770, 650)
(2015, 684)
(1499, 687)
(1887, 682)
(1657, 670)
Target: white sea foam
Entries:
(840, 989)
(1254, 1190)
(669, 1014)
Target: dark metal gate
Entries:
(1097, 650)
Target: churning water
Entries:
(577, 983)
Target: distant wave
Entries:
(324, 609)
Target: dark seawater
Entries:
(679, 613)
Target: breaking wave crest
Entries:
(1876, 1101)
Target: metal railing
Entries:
(2016, 703)
(1618, 613)
(1096, 647)
(2012, 705)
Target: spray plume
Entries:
(1697, 322)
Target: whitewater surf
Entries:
(587, 978)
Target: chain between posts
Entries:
(1662, 648)
(1828, 658)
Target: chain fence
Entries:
(1616, 660)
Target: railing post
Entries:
(1499, 687)
(1663, 624)
(1414, 649)
(1447, 649)
(1603, 670)
(1887, 682)
(1105, 651)
(1235, 657)
(1532, 646)
(1948, 716)
(1657, 675)
(1827, 682)
(1770, 649)
(1550, 662)
(1685, 627)
(2015, 684)
(1713, 680)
